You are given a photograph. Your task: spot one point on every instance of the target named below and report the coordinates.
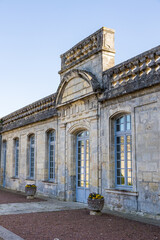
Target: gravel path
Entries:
(7, 196)
(77, 225)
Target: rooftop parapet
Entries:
(39, 106)
(133, 74)
(102, 40)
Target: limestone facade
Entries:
(93, 100)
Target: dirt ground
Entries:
(11, 197)
(77, 225)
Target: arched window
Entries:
(16, 155)
(4, 161)
(31, 156)
(51, 156)
(123, 152)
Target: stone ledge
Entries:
(30, 179)
(39, 106)
(130, 87)
(49, 183)
(15, 178)
(134, 74)
(30, 120)
(121, 192)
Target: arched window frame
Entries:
(4, 155)
(123, 151)
(51, 155)
(16, 157)
(32, 156)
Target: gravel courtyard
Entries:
(77, 225)
(72, 224)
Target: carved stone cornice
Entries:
(102, 40)
(31, 111)
(134, 74)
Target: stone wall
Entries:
(40, 132)
(144, 107)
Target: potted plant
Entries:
(95, 203)
(30, 190)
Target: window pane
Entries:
(122, 172)
(87, 184)
(118, 172)
(129, 164)
(118, 180)
(118, 164)
(128, 126)
(118, 139)
(130, 181)
(118, 156)
(129, 155)
(122, 180)
(128, 139)
(122, 139)
(81, 134)
(122, 148)
(129, 173)
(128, 147)
(122, 156)
(122, 164)
(87, 163)
(118, 148)
(128, 118)
(121, 120)
(122, 127)
(118, 128)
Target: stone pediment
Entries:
(76, 84)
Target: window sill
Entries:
(15, 178)
(121, 192)
(30, 179)
(49, 182)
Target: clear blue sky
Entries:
(33, 34)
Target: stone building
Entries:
(99, 132)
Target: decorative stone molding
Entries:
(102, 40)
(134, 74)
(121, 192)
(37, 117)
(87, 76)
(79, 126)
(32, 111)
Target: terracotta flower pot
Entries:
(30, 192)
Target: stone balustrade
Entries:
(137, 68)
(36, 107)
